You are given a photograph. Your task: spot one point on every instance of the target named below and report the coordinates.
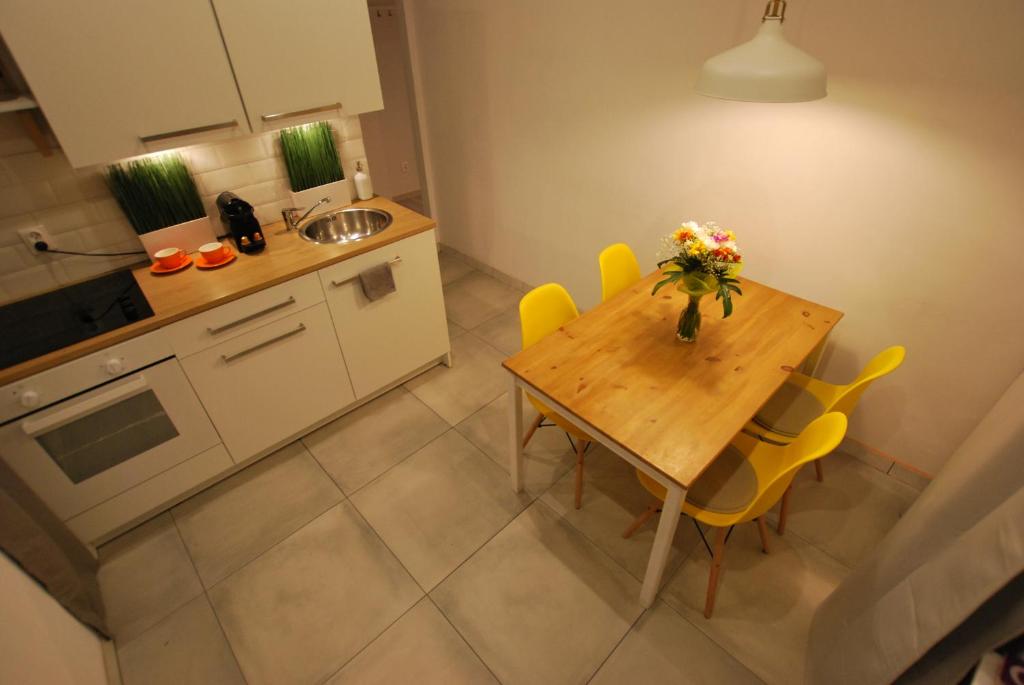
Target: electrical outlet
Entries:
(405, 167)
(34, 234)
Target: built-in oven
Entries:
(91, 429)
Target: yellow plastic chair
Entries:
(801, 399)
(743, 483)
(543, 311)
(619, 270)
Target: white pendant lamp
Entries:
(764, 69)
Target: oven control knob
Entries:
(114, 366)
(29, 399)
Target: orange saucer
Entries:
(157, 269)
(201, 262)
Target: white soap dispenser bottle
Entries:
(364, 186)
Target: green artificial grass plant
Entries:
(310, 155)
(155, 192)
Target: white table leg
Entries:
(662, 544)
(515, 435)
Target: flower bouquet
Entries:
(700, 259)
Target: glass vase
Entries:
(689, 320)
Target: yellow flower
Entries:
(681, 235)
(696, 248)
(732, 236)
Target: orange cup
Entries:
(213, 252)
(170, 257)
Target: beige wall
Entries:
(75, 206)
(40, 642)
(555, 128)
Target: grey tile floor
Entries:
(387, 547)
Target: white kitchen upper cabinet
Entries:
(110, 74)
(292, 57)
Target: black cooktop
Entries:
(31, 328)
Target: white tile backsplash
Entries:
(75, 206)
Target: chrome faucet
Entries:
(289, 214)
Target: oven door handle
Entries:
(56, 419)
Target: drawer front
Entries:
(272, 383)
(228, 321)
(99, 523)
(388, 338)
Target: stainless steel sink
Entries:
(346, 225)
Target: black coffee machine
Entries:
(237, 217)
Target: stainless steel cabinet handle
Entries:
(259, 346)
(300, 112)
(255, 315)
(189, 131)
(338, 284)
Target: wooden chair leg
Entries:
(716, 567)
(640, 520)
(818, 470)
(784, 510)
(581, 447)
(762, 528)
(533, 428)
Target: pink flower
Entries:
(720, 236)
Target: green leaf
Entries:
(155, 192)
(726, 307)
(310, 155)
(672, 278)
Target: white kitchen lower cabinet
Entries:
(101, 522)
(391, 337)
(272, 383)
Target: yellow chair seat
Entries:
(728, 486)
(801, 399)
(721, 495)
(790, 410)
(743, 482)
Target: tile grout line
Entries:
(463, 637)
(471, 554)
(350, 495)
(417, 398)
(376, 534)
(209, 602)
(276, 542)
(274, 545)
(372, 639)
(718, 644)
(166, 615)
(725, 648)
(619, 643)
(398, 463)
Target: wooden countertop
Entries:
(178, 295)
(674, 405)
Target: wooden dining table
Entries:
(666, 407)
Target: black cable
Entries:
(99, 317)
(41, 246)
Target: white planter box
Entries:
(188, 236)
(339, 192)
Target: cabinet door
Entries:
(388, 338)
(109, 74)
(269, 385)
(290, 57)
